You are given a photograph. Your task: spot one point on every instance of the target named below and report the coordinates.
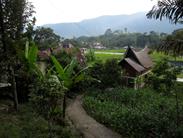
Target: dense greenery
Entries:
(27, 123)
(163, 77)
(171, 9)
(173, 44)
(45, 38)
(119, 39)
(108, 73)
(135, 113)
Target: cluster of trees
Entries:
(173, 11)
(119, 39)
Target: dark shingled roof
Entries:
(134, 65)
(144, 59)
(140, 61)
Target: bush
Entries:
(46, 95)
(163, 77)
(109, 73)
(141, 113)
(28, 124)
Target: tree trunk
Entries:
(2, 29)
(14, 88)
(64, 106)
(177, 108)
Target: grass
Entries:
(104, 57)
(156, 56)
(180, 76)
(112, 50)
(27, 124)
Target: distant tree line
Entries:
(119, 39)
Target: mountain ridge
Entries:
(136, 22)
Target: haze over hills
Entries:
(137, 22)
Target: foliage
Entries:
(64, 58)
(163, 77)
(104, 57)
(68, 76)
(158, 56)
(173, 44)
(46, 38)
(47, 91)
(117, 39)
(13, 21)
(135, 113)
(27, 123)
(90, 55)
(14, 17)
(112, 50)
(171, 9)
(109, 73)
(31, 52)
(46, 96)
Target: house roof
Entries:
(134, 65)
(144, 59)
(139, 61)
(140, 57)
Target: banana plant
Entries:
(31, 53)
(68, 76)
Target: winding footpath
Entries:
(88, 127)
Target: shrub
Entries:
(46, 95)
(141, 113)
(163, 77)
(109, 73)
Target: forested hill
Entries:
(92, 27)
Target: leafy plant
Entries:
(135, 113)
(68, 76)
(163, 77)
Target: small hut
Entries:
(135, 66)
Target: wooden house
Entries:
(135, 66)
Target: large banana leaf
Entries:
(69, 69)
(59, 69)
(32, 54)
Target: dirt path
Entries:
(88, 127)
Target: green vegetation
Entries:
(158, 56)
(107, 76)
(135, 113)
(119, 39)
(140, 113)
(104, 57)
(45, 38)
(27, 123)
(112, 50)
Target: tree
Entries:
(173, 44)
(163, 77)
(68, 76)
(108, 32)
(46, 38)
(14, 17)
(171, 9)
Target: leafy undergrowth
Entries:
(141, 113)
(27, 124)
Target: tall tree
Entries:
(14, 17)
(171, 9)
(46, 38)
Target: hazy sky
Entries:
(57, 11)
